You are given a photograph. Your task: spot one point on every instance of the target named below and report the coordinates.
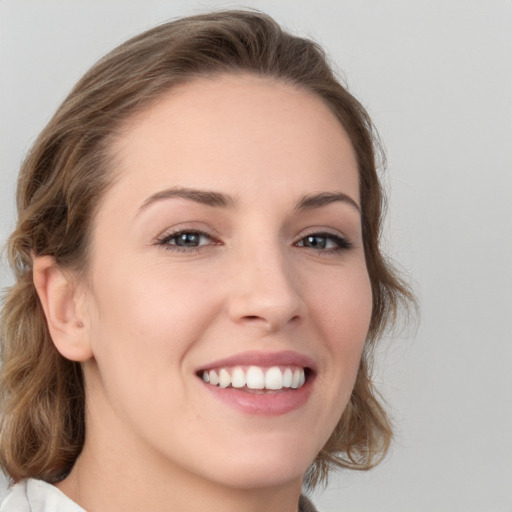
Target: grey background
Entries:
(436, 76)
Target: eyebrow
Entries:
(220, 200)
(311, 201)
(206, 197)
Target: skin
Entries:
(147, 315)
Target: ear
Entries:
(62, 303)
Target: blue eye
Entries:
(183, 240)
(326, 242)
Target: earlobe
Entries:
(59, 296)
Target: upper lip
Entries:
(265, 359)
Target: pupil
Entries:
(316, 242)
(187, 240)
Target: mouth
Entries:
(257, 378)
(264, 384)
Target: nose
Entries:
(264, 291)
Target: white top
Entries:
(37, 496)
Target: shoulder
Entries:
(37, 496)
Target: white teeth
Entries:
(273, 378)
(295, 379)
(287, 378)
(214, 378)
(255, 378)
(238, 379)
(224, 378)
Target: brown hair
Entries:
(66, 173)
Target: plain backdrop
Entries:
(437, 78)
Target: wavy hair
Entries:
(68, 170)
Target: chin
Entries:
(262, 476)
(264, 468)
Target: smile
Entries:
(261, 383)
(272, 378)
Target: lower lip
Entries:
(269, 403)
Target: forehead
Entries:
(237, 131)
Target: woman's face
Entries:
(228, 249)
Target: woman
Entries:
(198, 280)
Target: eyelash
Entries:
(165, 240)
(341, 243)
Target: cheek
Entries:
(340, 308)
(151, 318)
(343, 300)
(343, 309)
